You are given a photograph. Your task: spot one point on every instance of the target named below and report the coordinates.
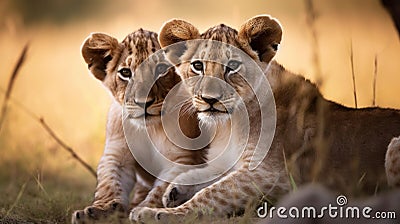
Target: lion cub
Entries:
(114, 64)
(314, 140)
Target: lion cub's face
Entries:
(148, 88)
(212, 72)
(220, 71)
(115, 64)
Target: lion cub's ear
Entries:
(177, 30)
(98, 50)
(263, 35)
(173, 32)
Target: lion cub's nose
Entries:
(209, 100)
(144, 104)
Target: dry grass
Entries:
(46, 127)
(40, 182)
(36, 200)
(374, 82)
(40, 196)
(311, 18)
(11, 84)
(353, 75)
(66, 147)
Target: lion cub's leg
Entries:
(115, 180)
(154, 197)
(115, 176)
(176, 194)
(392, 163)
(231, 194)
(140, 192)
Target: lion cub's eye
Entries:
(125, 74)
(161, 69)
(233, 66)
(197, 67)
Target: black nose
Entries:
(209, 100)
(145, 105)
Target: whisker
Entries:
(180, 104)
(188, 108)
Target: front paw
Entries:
(158, 215)
(176, 195)
(93, 213)
(143, 215)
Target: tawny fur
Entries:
(118, 172)
(315, 139)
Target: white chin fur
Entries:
(213, 119)
(138, 123)
(142, 123)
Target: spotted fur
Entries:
(114, 63)
(315, 139)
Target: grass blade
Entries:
(21, 191)
(66, 147)
(52, 134)
(311, 19)
(353, 74)
(374, 83)
(11, 83)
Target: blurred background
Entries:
(41, 182)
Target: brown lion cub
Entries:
(115, 65)
(315, 139)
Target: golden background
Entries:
(54, 82)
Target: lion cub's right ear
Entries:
(173, 32)
(263, 34)
(98, 50)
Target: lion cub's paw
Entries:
(176, 195)
(93, 213)
(143, 215)
(155, 215)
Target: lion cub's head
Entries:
(147, 90)
(115, 64)
(219, 67)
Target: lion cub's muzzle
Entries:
(210, 96)
(143, 108)
(211, 104)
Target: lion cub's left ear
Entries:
(98, 50)
(175, 32)
(263, 35)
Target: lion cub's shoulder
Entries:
(289, 87)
